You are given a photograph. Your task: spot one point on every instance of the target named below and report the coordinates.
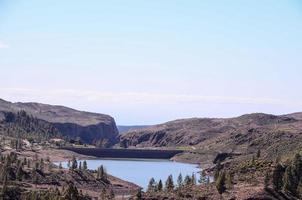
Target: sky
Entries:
(146, 62)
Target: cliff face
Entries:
(89, 127)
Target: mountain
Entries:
(125, 129)
(226, 136)
(89, 127)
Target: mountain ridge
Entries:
(243, 135)
(89, 127)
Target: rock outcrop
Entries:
(89, 127)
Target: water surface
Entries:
(140, 171)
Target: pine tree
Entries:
(296, 172)
(160, 186)
(188, 181)
(289, 181)
(278, 177)
(101, 173)
(74, 163)
(80, 166)
(85, 165)
(297, 165)
(203, 178)
(68, 164)
(193, 179)
(179, 181)
(169, 184)
(151, 186)
(217, 170)
(220, 183)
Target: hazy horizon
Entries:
(148, 62)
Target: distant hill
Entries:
(89, 127)
(124, 129)
(241, 135)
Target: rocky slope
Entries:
(89, 127)
(233, 136)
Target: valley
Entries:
(238, 152)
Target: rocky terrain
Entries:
(89, 127)
(25, 174)
(207, 138)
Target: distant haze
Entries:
(147, 62)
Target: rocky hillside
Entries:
(89, 127)
(233, 136)
(22, 125)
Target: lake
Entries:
(140, 171)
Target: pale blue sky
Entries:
(146, 62)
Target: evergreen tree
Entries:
(80, 166)
(74, 163)
(296, 171)
(193, 179)
(220, 183)
(179, 181)
(188, 181)
(218, 167)
(169, 184)
(297, 165)
(68, 164)
(151, 186)
(85, 165)
(203, 178)
(277, 177)
(101, 173)
(288, 181)
(160, 186)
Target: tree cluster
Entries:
(289, 178)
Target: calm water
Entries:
(140, 171)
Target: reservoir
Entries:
(140, 171)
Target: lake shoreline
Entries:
(140, 171)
